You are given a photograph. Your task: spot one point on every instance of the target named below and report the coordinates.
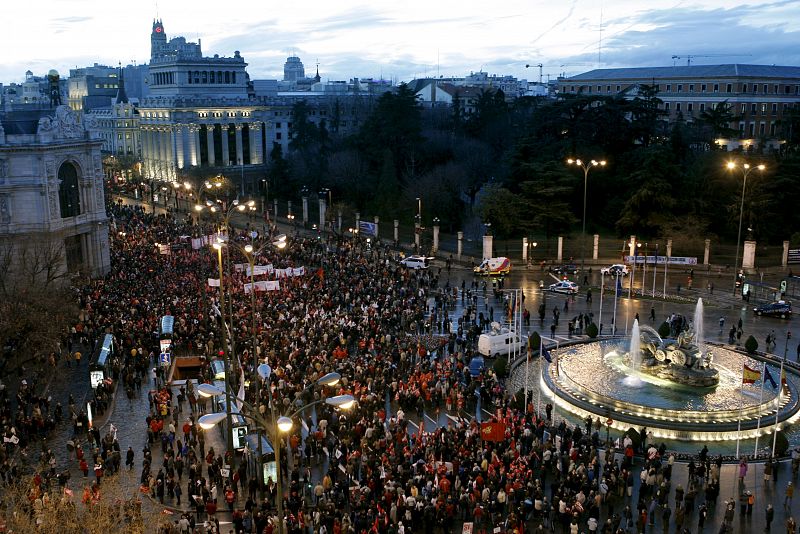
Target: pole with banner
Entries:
(780, 392)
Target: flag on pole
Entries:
(749, 375)
(768, 378)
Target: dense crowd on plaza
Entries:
(366, 470)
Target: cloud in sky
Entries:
(407, 39)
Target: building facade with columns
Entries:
(52, 204)
(199, 114)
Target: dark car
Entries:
(781, 308)
(567, 268)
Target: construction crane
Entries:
(690, 57)
(540, 70)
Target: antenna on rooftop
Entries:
(600, 40)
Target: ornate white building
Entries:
(199, 113)
(51, 190)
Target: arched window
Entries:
(68, 193)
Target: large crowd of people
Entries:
(375, 468)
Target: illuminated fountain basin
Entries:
(595, 379)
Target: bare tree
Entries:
(36, 305)
(114, 507)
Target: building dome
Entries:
(52, 72)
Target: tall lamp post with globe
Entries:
(280, 425)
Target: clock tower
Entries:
(158, 40)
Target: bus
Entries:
(102, 360)
(165, 327)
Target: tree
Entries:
(645, 113)
(715, 122)
(546, 192)
(395, 125)
(36, 307)
(117, 508)
(278, 172)
(503, 209)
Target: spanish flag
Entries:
(749, 376)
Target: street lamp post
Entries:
(217, 245)
(586, 166)
(280, 425)
(746, 168)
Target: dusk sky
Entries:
(405, 39)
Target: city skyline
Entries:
(401, 42)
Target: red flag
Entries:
(493, 431)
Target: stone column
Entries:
(275, 207)
(323, 205)
(194, 146)
(524, 250)
(460, 244)
(210, 142)
(181, 155)
(377, 233)
(256, 156)
(435, 238)
(239, 147)
(396, 231)
(749, 255)
(487, 246)
(305, 211)
(226, 155)
(560, 255)
(288, 206)
(669, 248)
(196, 151)
(706, 251)
(785, 255)
(416, 235)
(339, 221)
(596, 247)
(632, 245)
(358, 220)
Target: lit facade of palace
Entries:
(760, 95)
(198, 113)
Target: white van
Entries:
(501, 343)
(416, 262)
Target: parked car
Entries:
(780, 308)
(416, 262)
(614, 270)
(564, 286)
(567, 268)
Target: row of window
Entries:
(220, 114)
(732, 88)
(749, 129)
(754, 108)
(212, 76)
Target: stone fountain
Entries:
(680, 360)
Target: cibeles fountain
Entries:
(684, 360)
(681, 386)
